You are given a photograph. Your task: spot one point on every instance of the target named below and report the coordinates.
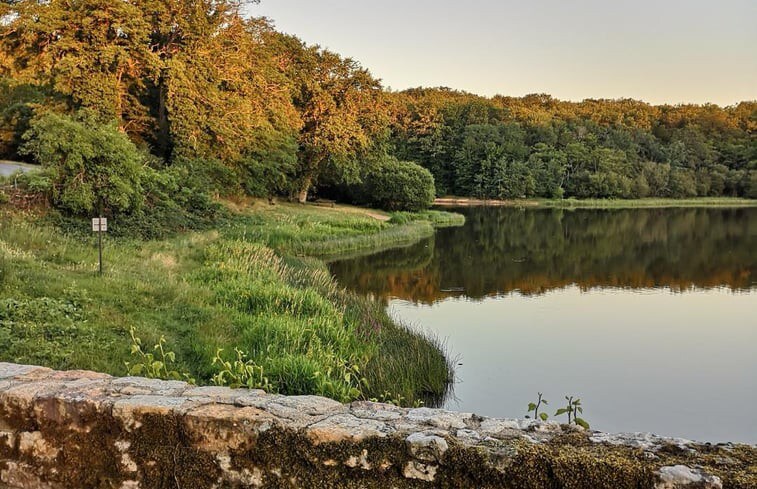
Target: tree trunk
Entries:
(164, 131)
(302, 196)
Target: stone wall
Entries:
(78, 430)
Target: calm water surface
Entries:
(649, 315)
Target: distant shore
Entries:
(599, 203)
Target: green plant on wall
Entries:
(534, 407)
(572, 409)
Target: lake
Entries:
(648, 315)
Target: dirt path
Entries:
(453, 201)
(380, 217)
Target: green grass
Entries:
(652, 202)
(608, 203)
(330, 233)
(247, 285)
(438, 219)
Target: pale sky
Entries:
(661, 51)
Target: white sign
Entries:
(99, 224)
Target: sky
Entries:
(661, 51)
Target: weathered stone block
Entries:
(344, 427)
(221, 427)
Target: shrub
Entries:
(88, 163)
(175, 199)
(397, 186)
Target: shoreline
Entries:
(597, 203)
(190, 290)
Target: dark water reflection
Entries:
(650, 315)
(501, 250)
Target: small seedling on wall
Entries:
(572, 409)
(534, 407)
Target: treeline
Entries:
(155, 106)
(537, 146)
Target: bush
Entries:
(89, 164)
(175, 199)
(397, 186)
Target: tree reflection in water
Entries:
(532, 251)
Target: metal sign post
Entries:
(100, 225)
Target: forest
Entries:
(537, 146)
(155, 107)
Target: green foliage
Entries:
(290, 328)
(175, 199)
(240, 372)
(438, 219)
(314, 231)
(396, 186)
(36, 182)
(342, 112)
(270, 172)
(572, 410)
(342, 379)
(158, 365)
(396, 400)
(534, 407)
(89, 164)
(537, 146)
(43, 329)
(17, 103)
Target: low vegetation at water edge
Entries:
(204, 295)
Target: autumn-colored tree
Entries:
(95, 52)
(342, 110)
(227, 97)
(202, 86)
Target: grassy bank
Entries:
(250, 284)
(602, 203)
(631, 203)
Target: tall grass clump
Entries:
(308, 336)
(319, 232)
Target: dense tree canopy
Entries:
(537, 146)
(340, 105)
(195, 84)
